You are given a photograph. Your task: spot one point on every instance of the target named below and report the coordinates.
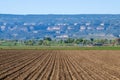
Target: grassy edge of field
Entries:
(58, 48)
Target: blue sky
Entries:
(60, 6)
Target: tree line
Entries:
(47, 41)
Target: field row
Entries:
(59, 65)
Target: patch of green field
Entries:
(59, 48)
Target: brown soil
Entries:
(59, 65)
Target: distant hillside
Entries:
(59, 26)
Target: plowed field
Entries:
(59, 65)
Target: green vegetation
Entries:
(62, 44)
(59, 48)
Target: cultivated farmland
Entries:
(59, 65)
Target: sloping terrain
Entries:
(24, 27)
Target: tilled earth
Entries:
(59, 65)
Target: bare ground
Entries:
(59, 65)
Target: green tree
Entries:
(47, 38)
(78, 41)
(40, 42)
(92, 40)
(30, 42)
(118, 41)
(69, 40)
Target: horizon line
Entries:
(61, 14)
